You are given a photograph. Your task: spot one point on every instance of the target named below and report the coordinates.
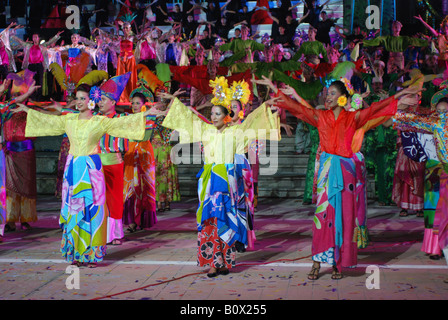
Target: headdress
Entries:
(221, 92)
(240, 91)
(114, 87)
(144, 89)
(440, 94)
(128, 18)
(348, 86)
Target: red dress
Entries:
(126, 63)
(334, 225)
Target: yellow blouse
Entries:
(84, 134)
(221, 147)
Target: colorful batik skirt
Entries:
(167, 181)
(361, 201)
(63, 153)
(139, 185)
(245, 196)
(83, 216)
(432, 186)
(334, 228)
(441, 216)
(408, 184)
(220, 223)
(2, 192)
(21, 189)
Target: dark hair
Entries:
(83, 87)
(341, 87)
(139, 95)
(445, 99)
(226, 111)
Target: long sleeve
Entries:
(383, 108)
(186, 122)
(261, 124)
(403, 120)
(40, 124)
(128, 127)
(298, 110)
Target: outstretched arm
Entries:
(434, 32)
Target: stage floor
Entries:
(31, 266)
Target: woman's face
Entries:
(137, 104)
(333, 95)
(442, 107)
(236, 108)
(75, 38)
(127, 29)
(217, 117)
(396, 29)
(82, 101)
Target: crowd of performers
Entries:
(379, 105)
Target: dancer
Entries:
(442, 41)
(111, 149)
(36, 58)
(20, 162)
(396, 45)
(334, 220)
(167, 181)
(218, 220)
(139, 172)
(83, 216)
(435, 123)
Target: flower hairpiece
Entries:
(348, 86)
(91, 105)
(227, 119)
(95, 94)
(356, 102)
(342, 101)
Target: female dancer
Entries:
(437, 124)
(83, 217)
(217, 217)
(334, 220)
(167, 182)
(140, 172)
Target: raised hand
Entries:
(267, 82)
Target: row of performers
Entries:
(225, 186)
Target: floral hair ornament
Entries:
(227, 119)
(348, 86)
(95, 94)
(221, 92)
(342, 101)
(356, 102)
